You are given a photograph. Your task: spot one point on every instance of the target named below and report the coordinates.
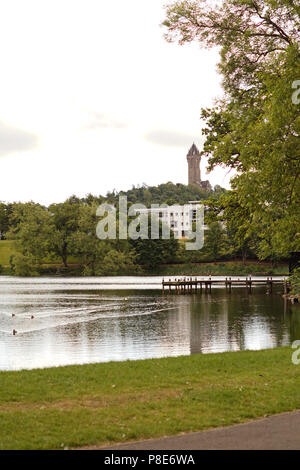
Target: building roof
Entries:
(193, 150)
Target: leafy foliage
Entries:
(69, 228)
(118, 263)
(167, 193)
(215, 242)
(295, 281)
(5, 211)
(152, 252)
(22, 265)
(255, 128)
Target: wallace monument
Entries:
(194, 159)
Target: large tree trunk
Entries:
(64, 255)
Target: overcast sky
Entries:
(93, 98)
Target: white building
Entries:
(179, 218)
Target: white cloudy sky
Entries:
(93, 98)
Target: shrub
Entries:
(295, 281)
(23, 266)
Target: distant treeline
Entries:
(65, 234)
(167, 193)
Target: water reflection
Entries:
(73, 324)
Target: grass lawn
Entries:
(120, 401)
(6, 250)
(226, 268)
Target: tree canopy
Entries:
(255, 127)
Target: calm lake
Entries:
(83, 320)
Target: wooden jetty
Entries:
(193, 285)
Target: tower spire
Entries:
(194, 159)
(193, 150)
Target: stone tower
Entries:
(193, 158)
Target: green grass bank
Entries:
(226, 268)
(223, 268)
(6, 250)
(76, 406)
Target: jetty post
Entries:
(192, 285)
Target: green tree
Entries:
(242, 239)
(65, 219)
(255, 128)
(151, 252)
(99, 257)
(32, 229)
(23, 266)
(214, 241)
(295, 281)
(5, 212)
(117, 263)
(84, 242)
